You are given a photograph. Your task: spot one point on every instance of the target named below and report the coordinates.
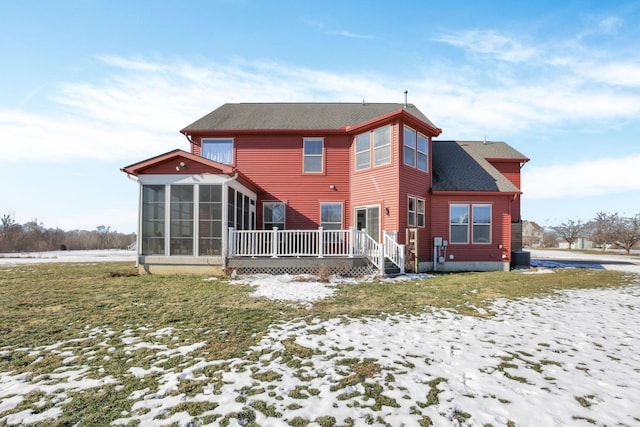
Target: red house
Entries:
(289, 186)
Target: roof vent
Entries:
(405, 98)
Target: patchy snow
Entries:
(571, 358)
(107, 255)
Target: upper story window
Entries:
(373, 147)
(416, 149)
(313, 149)
(218, 149)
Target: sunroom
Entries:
(186, 204)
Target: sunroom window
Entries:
(218, 149)
(181, 220)
(153, 212)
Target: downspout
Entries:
(139, 231)
(225, 219)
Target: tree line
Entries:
(605, 230)
(33, 236)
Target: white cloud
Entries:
(490, 43)
(594, 178)
(139, 108)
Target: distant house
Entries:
(286, 187)
(532, 234)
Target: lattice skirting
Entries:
(351, 271)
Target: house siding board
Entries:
(500, 228)
(276, 162)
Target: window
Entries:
(273, 215)
(416, 149)
(363, 151)
(153, 212)
(382, 146)
(459, 222)
(210, 220)
(218, 149)
(186, 219)
(415, 212)
(481, 216)
(480, 220)
(378, 140)
(181, 220)
(409, 147)
(331, 216)
(313, 155)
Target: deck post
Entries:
(231, 242)
(381, 256)
(352, 241)
(320, 242)
(401, 260)
(274, 243)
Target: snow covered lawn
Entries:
(571, 358)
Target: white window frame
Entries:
(474, 224)
(464, 223)
(373, 151)
(416, 216)
(274, 223)
(412, 152)
(227, 161)
(324, 223)
(306, 156)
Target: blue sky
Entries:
(90, 86)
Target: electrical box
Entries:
(445, 243)
(437, 241)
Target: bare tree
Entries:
(626, 232)
(569, 231)
(600, 230)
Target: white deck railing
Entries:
(318, 243)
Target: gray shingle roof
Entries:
(462, 166)
(253, 116)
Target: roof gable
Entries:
(464, 166)
(181, 162)
(303, 116)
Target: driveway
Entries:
(576, 259)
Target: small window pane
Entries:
(382, 136)
(273, 215)
(312, 146)
(409, 156)
(423, 143)
(481, 214)
(422, 162)
(459, 214)
(481, 234)
(313, 164)
(409, 137)
(363, 160)
(362, 142)
(459, 234)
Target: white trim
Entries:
(322, 155)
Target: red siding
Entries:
(275, 162)
(500, 228)
(378, 185)
(511, 170)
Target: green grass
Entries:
(82, 306)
